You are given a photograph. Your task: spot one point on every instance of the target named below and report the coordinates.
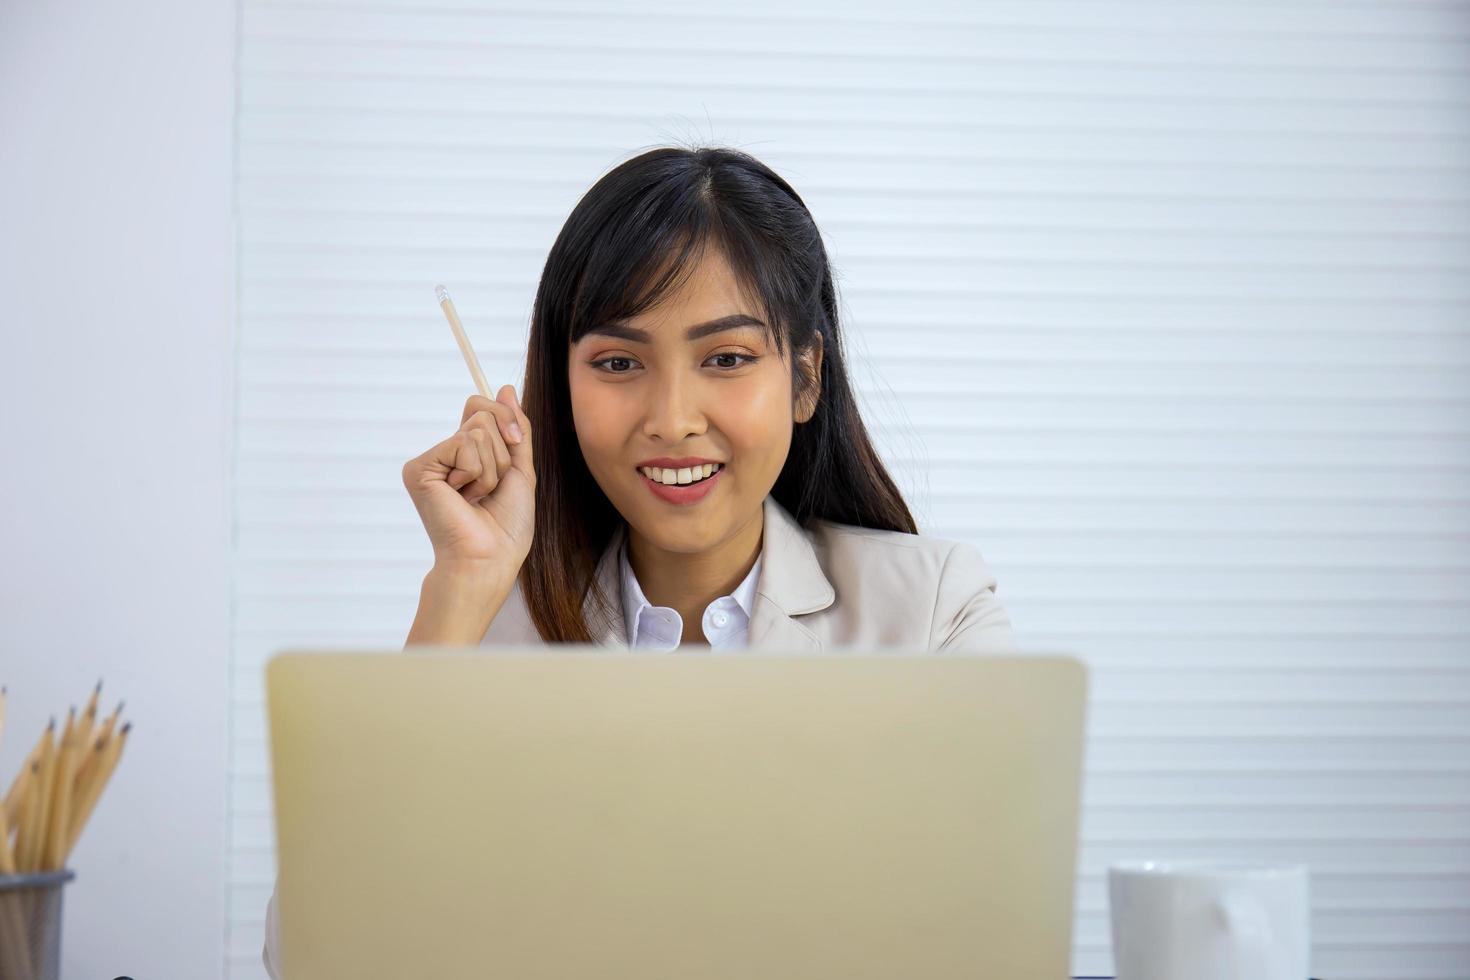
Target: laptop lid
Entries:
(464, 812)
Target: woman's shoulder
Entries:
(916, 552)
(950, 571)
(918, 575)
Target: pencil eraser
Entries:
(440, 293)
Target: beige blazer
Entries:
(830, 586)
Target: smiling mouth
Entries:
(670, 478)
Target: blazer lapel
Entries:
(791, 584)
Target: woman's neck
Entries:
(687, 583)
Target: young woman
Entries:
(689, 468)
(685, 323)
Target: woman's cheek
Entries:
(760, 433)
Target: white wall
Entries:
(1163, 306)
(116, 387)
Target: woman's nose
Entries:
(672, 412)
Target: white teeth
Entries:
(688, 474)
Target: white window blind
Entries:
(1166, 307)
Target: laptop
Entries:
(458, 812)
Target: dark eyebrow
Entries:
(625, 332)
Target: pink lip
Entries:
(675, 494)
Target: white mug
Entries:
(1209, 919)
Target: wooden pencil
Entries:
(16, 797)
(465, 347)
(58, 827)
(89, 718)
(46, 809)
(40, 804)
(99, 736)
(85, 783)
(29, 829)
(68, 733)
(26, 829)
(44, 790)
(102, 772)
(7, 853)
(15, 953)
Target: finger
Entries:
(476, 403)
(501, 455)
(486, 477)
(503, 412)
(485, 439)
(506, 397)
(499, 417)
(520, 452)
(460, 454)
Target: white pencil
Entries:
(470, 360)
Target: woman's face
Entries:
(646, 389)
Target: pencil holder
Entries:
(30, 925)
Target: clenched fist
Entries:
(476, 491)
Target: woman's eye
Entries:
(742, 360)
(613, 360)
(731, 362)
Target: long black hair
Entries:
(631, 239)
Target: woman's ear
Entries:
(809, 375)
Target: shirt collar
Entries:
(635, 602)
(792, 583)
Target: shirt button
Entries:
(721, 618)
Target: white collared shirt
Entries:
(726, 620)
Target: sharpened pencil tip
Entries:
(127, 727)
(440, 293)
(98, 689)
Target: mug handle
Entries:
(1250, 931)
